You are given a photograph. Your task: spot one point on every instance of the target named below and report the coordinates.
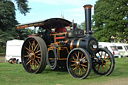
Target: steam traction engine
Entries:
(60, 44)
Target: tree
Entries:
(82, 26)
(8, 20)
(23, 33)
(111, 20)
(10, 34)
(7, 12)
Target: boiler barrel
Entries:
(74, 43)
(88, 43)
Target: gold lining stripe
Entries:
(77, 44)
(71, 44)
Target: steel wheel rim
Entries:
(103, 62)
(78, 64)
(31, 56)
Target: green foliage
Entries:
(82, 26)
(7, 15)
(8, 21)
(4, 36)
(23, 33)
(111, 20)
(7, 12)
(12, 33)
(23, 6)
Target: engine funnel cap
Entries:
(87, 6)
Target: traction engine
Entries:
(61, 45)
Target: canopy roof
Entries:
(47, 24)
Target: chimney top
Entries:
(87, 6)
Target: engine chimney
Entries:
(88, 18)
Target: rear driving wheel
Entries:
(33, 55)
(79, 63)
(103, 63)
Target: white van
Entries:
(13, 50)
(126, 47)
(111, 47)
(122, 48)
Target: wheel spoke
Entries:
(33, 45)
(81, 55)
(106, 58)
(85, 62)
(35, 66)
(37, 51)
(36, 47)
(79, 71)
(106, 66)
(27, 49)
(73, 65)
(73, 58)
(103, 68)
(74, 68)
(84, 68)
(83, 58)
(39, 54)
(105, 55)
(98, 67)
(77, 56)
(28, 62)
(37, 57)
(83, 65)
(36, 62)
(73, 61)
(30, 45)
(33, 42)
(30, 65)
(108, 61)
(28, 59)
(28, 53)
(76, 71)
(26, 56)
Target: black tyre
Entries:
(79, 63)
(103, 63)
(33, 54)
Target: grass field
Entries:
(14, 74)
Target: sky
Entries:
(45, 9)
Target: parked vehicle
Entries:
(13, 51)
(126, 47)
(122, 48)
(111, 47)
